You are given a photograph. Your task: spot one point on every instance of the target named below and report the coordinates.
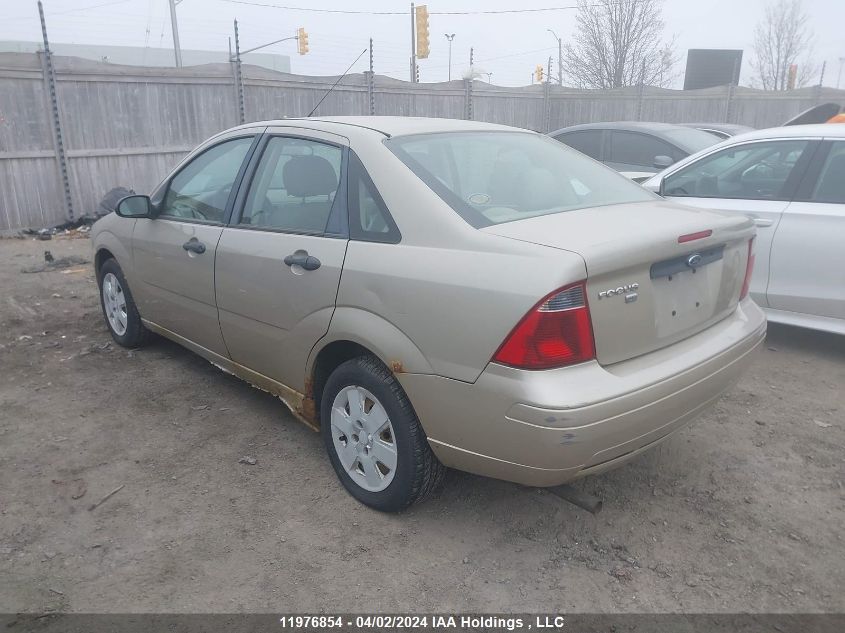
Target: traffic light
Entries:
(302, 40)
(538, 73)
(422, 31)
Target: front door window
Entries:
(754, 171)
(200, 191)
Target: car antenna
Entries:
(335, 83)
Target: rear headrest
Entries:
(541, 190)
(309, 176)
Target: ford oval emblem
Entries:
(694, 260)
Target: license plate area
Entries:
(686, 295)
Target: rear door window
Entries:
(830, 186)
(631, 148)
(585, 141)
(369, 218)
(294, 187)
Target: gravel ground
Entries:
(742, 511)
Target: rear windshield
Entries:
(494, 177)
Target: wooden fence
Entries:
(128, 125)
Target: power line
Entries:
(76, 10)
(405, 13)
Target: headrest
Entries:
(541, 190)
(309, 176)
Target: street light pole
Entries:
(450, 38)
(559, 57)
(177, 51)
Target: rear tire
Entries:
(122, 317)
(378, 447)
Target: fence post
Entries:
(468, 99)
(819, 85)
(547, 99)
(239, 78)
(641, 93)
(58, 139)
(371, 83)
(729, 103)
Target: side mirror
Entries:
(662, 162)
(135, 206)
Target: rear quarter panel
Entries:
(454, 306)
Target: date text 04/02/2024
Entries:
(422, 622)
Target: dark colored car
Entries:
(635, 146)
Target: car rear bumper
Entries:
(544, 428)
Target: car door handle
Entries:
(303, 259)
(195, 246)
(763, 222)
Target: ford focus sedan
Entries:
(429, 293)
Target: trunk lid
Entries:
(645, 288)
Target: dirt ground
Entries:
(742, 511)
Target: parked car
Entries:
(720, 130)
(791, 181)
(633, 148)
(432, 293)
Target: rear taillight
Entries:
(749, 268)
(556, 332)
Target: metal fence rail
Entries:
(128, 125)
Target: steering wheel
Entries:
(182, 209)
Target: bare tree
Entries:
(781, 39)
(620, 43)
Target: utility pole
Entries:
(559, 57)
(413, 47)
(452, 36)
(177, 51)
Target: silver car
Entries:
(430, 293)
(791, 182)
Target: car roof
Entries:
(687, 139)
(733, 128)
(639, 126)
(390, 125)
(817, 130)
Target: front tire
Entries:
(373, 437)
(121, 314)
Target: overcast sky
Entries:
(508, 45)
